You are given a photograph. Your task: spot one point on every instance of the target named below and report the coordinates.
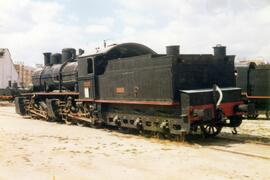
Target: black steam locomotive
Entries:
(255, 83)
(130, 86)
(9, 93)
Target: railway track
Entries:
(235, 146)
(241, 153)
(242, 140)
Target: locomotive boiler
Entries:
(60, 72)
(132, 87)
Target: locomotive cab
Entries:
(87, 78)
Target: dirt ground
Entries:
(35, 149)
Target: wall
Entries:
(7, 69)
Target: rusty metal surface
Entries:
(6, 97)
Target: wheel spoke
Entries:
(208, 129)
(211, 130)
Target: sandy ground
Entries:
(35, 149)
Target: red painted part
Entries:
(84, 100)
(6, 97)
(228, 109)
(51, 94)
(258, 97)
(160, 103)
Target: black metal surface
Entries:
(70, 72)
(260, 81)
(81, 51)
(52, 108)
(9, 91)
(173, 50)
(242, 73)
(205, 96)
(132, 71)
(48, 78)
(47, 57)
(68, 54)
(36, 79)
(219, 50)
(137, 78)
(55, 58)
(20, 106)
(255, 82)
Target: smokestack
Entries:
(47, 57)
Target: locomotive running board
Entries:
(159, 103)
(51, 94)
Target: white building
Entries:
(7, 69)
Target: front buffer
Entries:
(212, 109)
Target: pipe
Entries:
(220, 96)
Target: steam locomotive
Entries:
(9, 93)
(129, 86)
(255, 83)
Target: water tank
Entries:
(56, 58)
(173, 50)
(47, 57)
(219, 50)
(68, 54)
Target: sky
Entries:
(30, 27)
